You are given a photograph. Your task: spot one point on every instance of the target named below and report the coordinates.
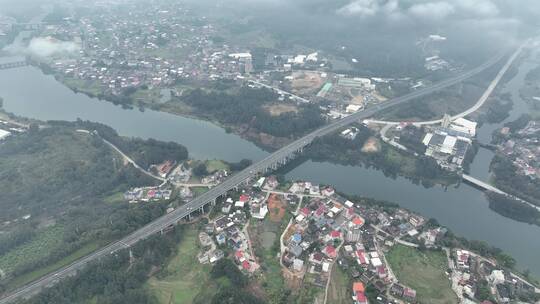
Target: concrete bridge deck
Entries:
(485, 186)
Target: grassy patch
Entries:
(199, 190)
(424, 272)
(272, 279)
(309, 293)
(339, 291)
(147, 96)
(115, 197)
(84, 86)
(395, 158)
(216, 165)
(184, 278)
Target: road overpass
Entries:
(271, 162)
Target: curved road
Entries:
(476, 106)
(174, 217)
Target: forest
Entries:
(115, 278)
(514, 209)
(143, 152)
(509, 180)
(119, 279)
(245, 108)
(57, 185)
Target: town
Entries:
(521, 146)
(171, 165)
(147, 56)
(319, 232)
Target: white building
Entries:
(4, 134)
(352, 108)
(464, 125)
(239, 56)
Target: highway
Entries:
(477, 105)
(211, 195)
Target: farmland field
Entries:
(40, 246)
(424, 272)
(184, 278)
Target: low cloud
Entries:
(432, 10)
(425, 9)
(361, 8)
(46, 47)
(479, 8)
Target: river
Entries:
(30, 93)
(480, 167)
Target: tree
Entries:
(226, 268)
(200, 170)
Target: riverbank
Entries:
(150, 99)
(369, 151)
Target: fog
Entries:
(389, 30)
(45, 47)
(376, 30)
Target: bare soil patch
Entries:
(306, 81)
(280, 108)
(372, 145)
(276, 208)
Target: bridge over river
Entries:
(198, 204)
(12, 62)
(485, 186)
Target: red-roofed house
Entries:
(360, 298)
(350, 213)
(244, 198)
(246, 265)
(358, 221)
(358, 287)
(409, 294)
(335, 234)
(316, 258)
(239, 256)
(330, 251)
(361, 257)
(320, 211)
(305, 211)
(381, 272)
